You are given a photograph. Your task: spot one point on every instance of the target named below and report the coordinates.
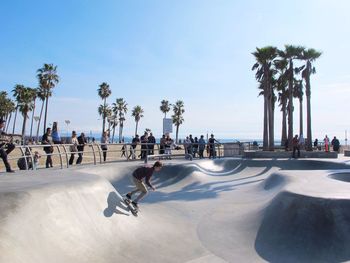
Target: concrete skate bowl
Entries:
(344, 177)
(203, 211)
(297, 228)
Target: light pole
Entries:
(67, 122)
(36, 119)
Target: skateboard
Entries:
(133, 209)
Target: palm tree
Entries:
(26, 104)
(17, 91)
(165, 107)
(290, 54)
(137, 113)
(309, 56)
(7, 107)
(298, 93)
(177, 117)
(264, 74)
(104, 92)
(120, 108)
(48, 79)
(41, 93)
(281, 85)
(34, 96)
(104, 110)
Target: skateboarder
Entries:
(137, 177)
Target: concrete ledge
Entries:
(346, 152)
(303, 154)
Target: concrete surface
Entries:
(227, 210)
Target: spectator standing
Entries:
(162, 145)
(211, 145)
(195, 147)
(134, 143)
(168, 145)
(316, 144)
(48, 149)
(81, 144)
(6, 147)
(55, 135)
(295, 144)
(201, 146)
(104, 142)
(151, 141)
(74, 147)
(326, 143)
(144, 146)
(335, 144)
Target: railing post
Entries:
(93, 151)
(24, 156)
(66, 153)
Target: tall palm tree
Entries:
(7, 107)
(165, 107)
(290, 53)
(264, 74)
(48, 79)
(17, 92)
(137, 113)
(120, 108)
(104, 92)
(281, 85)
(26, 104)
(34, 96)
(178, 119)
(309, 56)
(41, 93)
(104, 110)
(299, 94)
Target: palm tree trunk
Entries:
(271, 124)
(265, 132)
(113, 133)
(31, 125)
(290, 104)
(177, 134)
(120, 131)
(8, 123)
(24, 127)
(301, 127)
(41, 113)
(136, 128)
(284, 125)
(14, 121)
(45, 116)
(104, 116)
(308, 113)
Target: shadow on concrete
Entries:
(115, 205)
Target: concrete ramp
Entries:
(227, 210)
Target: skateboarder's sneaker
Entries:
(135, 204)
(128, 196)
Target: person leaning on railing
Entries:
(5, 143)
(48, 149)
(82, 142)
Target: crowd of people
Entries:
(299, 143)
(194, 147)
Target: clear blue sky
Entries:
(198, 51)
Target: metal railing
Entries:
(23, 156)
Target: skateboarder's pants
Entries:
(140, 187)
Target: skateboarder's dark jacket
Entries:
(144, 172)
